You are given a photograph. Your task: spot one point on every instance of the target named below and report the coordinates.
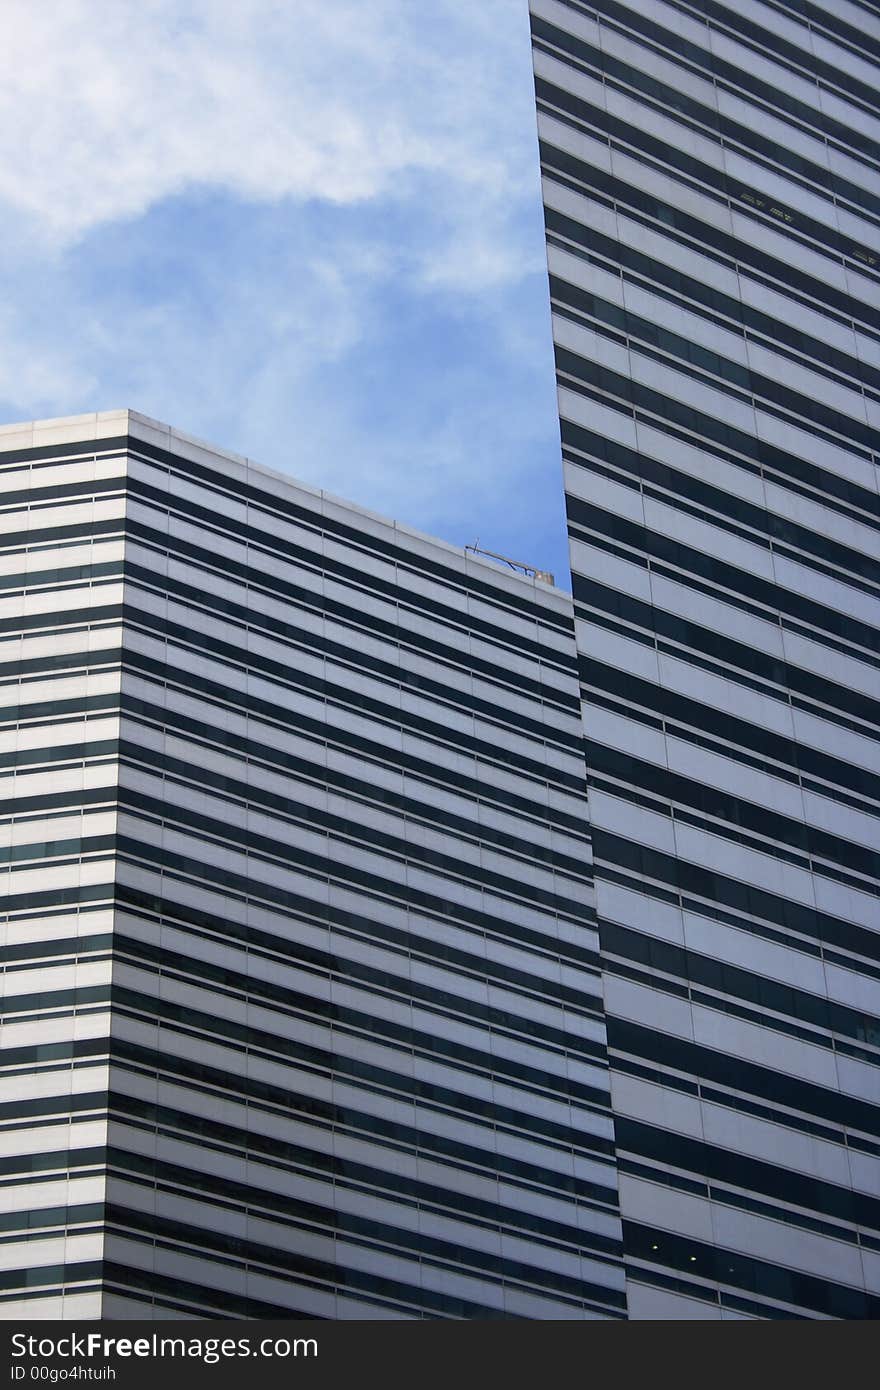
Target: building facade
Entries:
(386, 935)
(302, 1007)
(710, 177)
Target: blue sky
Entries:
(305, 230)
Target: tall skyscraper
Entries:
(302, 1008)
(387, 935)
(712, 207)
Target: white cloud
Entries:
(305, 229)
(106, 109)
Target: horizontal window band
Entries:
(717, 1164)
(185, 917)
(381, 1080)
(643, 1277)
(834, 27)
(56, 665)
(705, 301)
(32, 1113)
(731, 1100)
(71, 620)
(248, 889)
(298, 597)
(714, 590)
(68, 752)
(787, 1285)
(305, 1110)
(348, 926)
(367, 1233)
(66, 946)
(295, 1004)
(308, 1108)
(707, 122)
(292, 813)
(136, 620)
(320, 1166)
(740, 81)
(747, 815)
(753, 839)
(594, 700)
(762, 1082)
(37, 537)
(696, 969)
(340, 830)
(823, 489)
(73, 1278)
(373, 1291)
(37, 900)
(49, 849)
(42, 811)
(694, 360)
(48, 1218)
(767, 1312)
(240, 619)
(636, 633)
(782, 50)
(640, 472)
(183, 1296)
(55, 711)
(65, 1276)
(263, 498)
(61, 575)
(328, 866)
(193, 775)
(712, 911)
(691, 656)
(199, 973)
(573, 369)
(594, 386)
(441, 1099)
(708, 180)
(271, 1047)
(172, 721)
(351, 1071)
(668, 704)
(725, 1004)
(84, 489)
(314, 910)
(783, 674)
(352, 1022)
(191, 684)
(173, 678)
(268, 546)
(344, 697)
(256, 578)
(584, 177)
(88, 489)
(263, 945)
(686, 877)
(60, 1159)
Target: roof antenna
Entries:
(517, 565)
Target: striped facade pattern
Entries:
(710, 177)
(302, 1008)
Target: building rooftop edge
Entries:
(94, 425)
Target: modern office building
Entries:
(387, 935)
(302, 1008)
(710, 175)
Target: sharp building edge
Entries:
(712, 203)
(388, 935)
(303, 1011)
